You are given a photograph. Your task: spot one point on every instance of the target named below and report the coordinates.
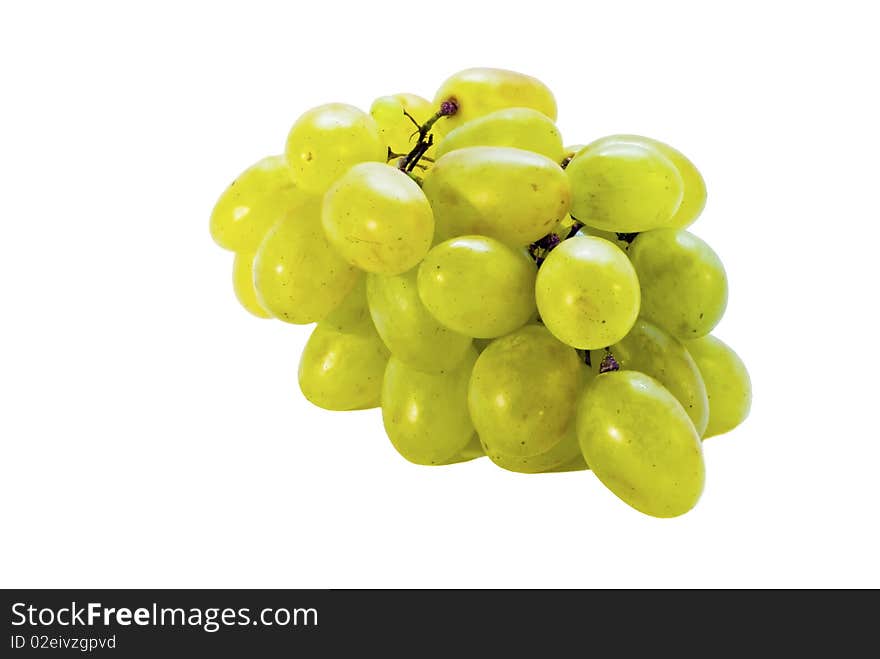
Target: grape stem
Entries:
(609, 364)
(426, 139)
(541, 248)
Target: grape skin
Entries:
(478, 286)
(728, 385)
(683, 282)
(640, 442)
(378, 219)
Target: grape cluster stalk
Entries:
(497, 293)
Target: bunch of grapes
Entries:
(496, 293)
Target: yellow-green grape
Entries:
(478, 286)
(694, 195)
(587, 293)
(640, 442)
(511, 195)
(243, 285)
(564, 455)
(342, 369)
(650, 350)
(299, 277)
(610, 236)
(624, 186)
(411, 333)
(523, 392)
(352, 311)
(727, 383)
(684, 286)
(251, 205)
(327, 140)
(520, 128)
(395, 128)
(480, 91)
(378, 219)
(425, 414)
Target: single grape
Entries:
(352, 311)
(650, 350)
(520, 128)
(425, 414)
(478, 286)
(640, 442)
(480, 91)
(409, 330)
(587, 293)
(693, 198)
(327, 140)
(251, 205)
(523, 392)
(684, 286)
(727, 383)
(342, 369)
(624, 186)
(298, 276)
(378, 219)
(395, 129)
(511, 195)
(243, 285)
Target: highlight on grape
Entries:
(497, 293)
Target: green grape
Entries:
(342, 369)
(610, 236)
(243, 285)
(395, 129)
(327, 140)
(511, 195)
(684, 286)
(252, 204)
(299, 277)
(650, 350)
(577, 463)
(694, 193)
(425, 414)
(587, 293)
(352, 311)
(564, 455)
(483, 90)
(727, 383)
(478, 286)
(523, 392)
(640, 442)
(378, 219)
(520, 128)
(624, 186)
(411, 333)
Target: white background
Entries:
(153, 433)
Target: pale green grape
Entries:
(253, 202)
(342, 369)
(684, 286)
(480, 91)
(409, 330)
(564, 455)
(511, 195)
(694, 193)
(327, 140)
(395, 129)
(378, 219)
(298, 276)
(520, 128)
(727, 383)
(523, 392)
(243, 285)
(425, 414)
(587, 293)
(650, 350)
(640, 442)
(624, 186)
(478, 286)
